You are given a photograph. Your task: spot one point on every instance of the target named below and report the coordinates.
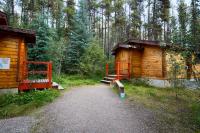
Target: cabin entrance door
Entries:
(123, 59)
(136, 60)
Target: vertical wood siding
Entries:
(152, 62)
(148, 63)
(136, 61)
(123, 57)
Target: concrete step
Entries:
(106, 81)
(109, 78)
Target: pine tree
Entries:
(183, 22)
(195, 26)
(120, 20)
(174, 34)
(165, 16)
(156, 24)
(39, 51)
(107, 4)
(79, 37)
(70, 12)
(135, 28)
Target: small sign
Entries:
(5, 63)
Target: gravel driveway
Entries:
(87, 109)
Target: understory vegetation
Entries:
(176, 108)
(68, 81)
(12, 105)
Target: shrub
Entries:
(93, 60)
(17, 104)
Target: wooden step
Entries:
(106, 81)
(114, 76)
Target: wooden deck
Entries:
(28, 84)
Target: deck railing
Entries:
(28, 80)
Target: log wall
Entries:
(146, 63)
(13, 48)
(153, 62)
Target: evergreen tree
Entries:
(120, 20)
(70, 12)
(39, 51)
(183, 22)
(195, 26)
(107, 4)
(156, 24)
(79, 37)
(135, 29)
(165, 16)
(174, 34)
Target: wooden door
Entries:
(136, 60)
(123, 58)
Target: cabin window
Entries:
(197, 60)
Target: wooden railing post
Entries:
(129, 74)
(107, 69)
(25, 70)
(118, 70)
(50, 73)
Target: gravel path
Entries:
(92, 109)
(17, 125)
(86, 109)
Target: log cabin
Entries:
(150, 60)
(13, 56)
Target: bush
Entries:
(93, 60)
(17, 104)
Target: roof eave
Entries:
(29, 35)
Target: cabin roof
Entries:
(3, 18)
(134, 44)
(28, 35)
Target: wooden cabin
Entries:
(13, 55)
(147, 59)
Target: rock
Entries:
(60, 87)
(57, 86)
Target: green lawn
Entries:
(177, 105)
(12, 105)
(68, 81)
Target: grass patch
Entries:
(183, 108)
(68, 81)
(18, 104)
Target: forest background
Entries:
(78, 36)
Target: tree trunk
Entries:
(109, 36)
(149, 23)
(102, 33)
